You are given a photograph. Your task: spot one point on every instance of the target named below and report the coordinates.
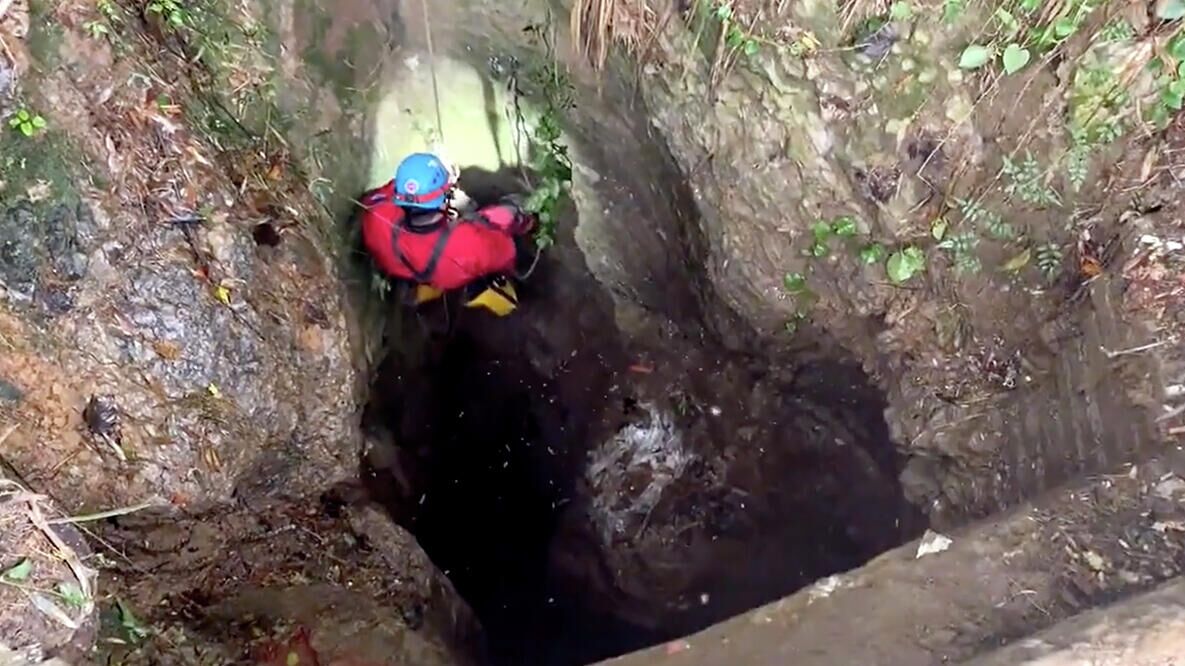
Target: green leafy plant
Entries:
(900, 11)
(1027, 181)
(1070, 17)
(794, 322)
(171, 11)
(549, 159)
(952, 10)
(1049, 260)
(1014, 58)
(72, 594)
(990, 221)
(553, 167)
(1077, 163)
(905, 263)
(1118, 30)
(96, 29)
(735, 34)
(131, 625)
(795, 283)
(843, 226)
(975, 56)
(873, 253)
(109, 10)
(1171, 81)
(961, 248)
(998, 229)
(1096, 104)
(27, 122)
(18, 572)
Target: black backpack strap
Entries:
(429, 271)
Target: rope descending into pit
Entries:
(431, 67)
(440, 121)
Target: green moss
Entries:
(45, 34)
(28, 163)
(341, 70)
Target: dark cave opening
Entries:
(486, 460)
(491, 459)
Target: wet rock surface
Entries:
(588, 473)
(237, 582)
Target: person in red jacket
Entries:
(411, 230)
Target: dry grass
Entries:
(596, 25)
(52, 596)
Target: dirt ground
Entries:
(187, 339)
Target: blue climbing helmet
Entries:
(422, 181)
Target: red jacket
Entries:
(446, 255)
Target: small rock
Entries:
(932, 543)
(1094, 560)
(1170, 487)
(1163, 526)
(675, 647)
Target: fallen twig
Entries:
(102, 515)
(1135, 350)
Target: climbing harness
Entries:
(440, 133)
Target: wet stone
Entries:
(10, 392)
(20, 253)
(62, 239)
(34, 248)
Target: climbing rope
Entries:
(440, 121)
(432, 68)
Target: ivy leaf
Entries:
(19, 571)
(1064, 27)
(1171, 10)
(819, 249)
(905, 263)
(1015, 57)
(751, 47)
(975, 56)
